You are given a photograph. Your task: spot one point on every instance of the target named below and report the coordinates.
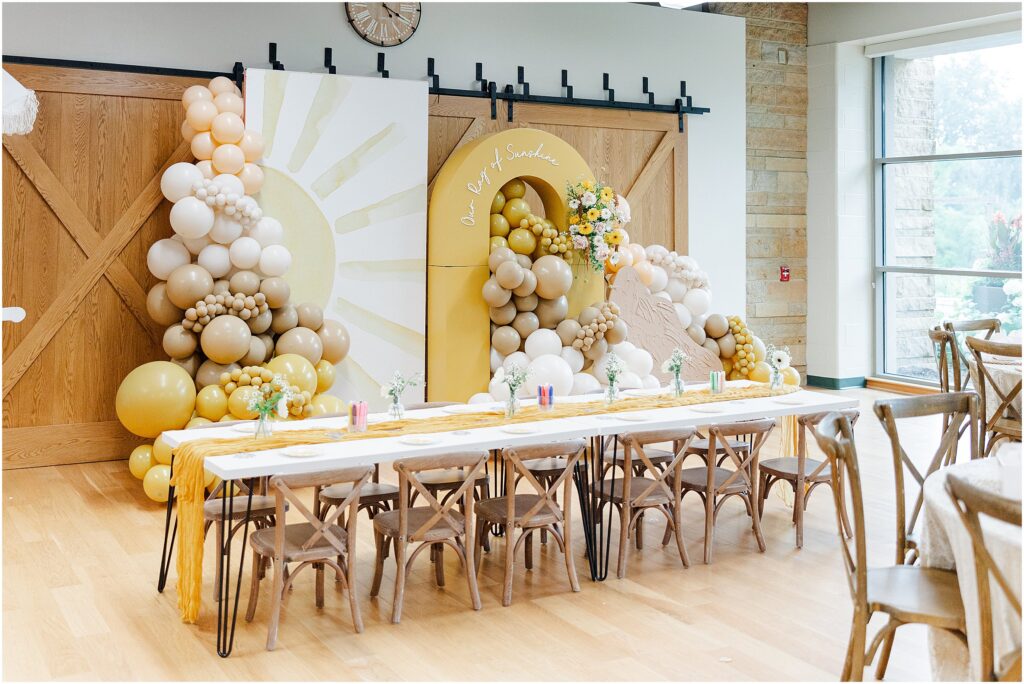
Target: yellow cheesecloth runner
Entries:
(189, 458)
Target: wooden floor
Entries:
(81, 548)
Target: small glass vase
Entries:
(511, 406)
(264, 427)
(775, 381)
(612, 395)
(396, 411)
(678, 386)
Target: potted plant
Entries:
(1004, 254)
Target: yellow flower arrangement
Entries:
(585, 229)
(574, 219)
(588, 185)
(593, 214)
(613, 237)
(607, 193)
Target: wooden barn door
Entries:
(641, 154)
(82, 205)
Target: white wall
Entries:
(706, 50)
(838, 22)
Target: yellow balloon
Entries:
(522, 241)
(499, 225)
(162, 451)
(157, 482)
(296, 370)
(227, 418)
(762, 372)
(497, 242)
(141, 460)
(498, 203)
(154, 397)
(727, 365)
(514, 189)
(197, 421)
(760, 353)
(515, 211)
(324, 376)
(791, 376)
(212, 402)
(207, 477)
(215, 481)
(326, 403)
(238, 402)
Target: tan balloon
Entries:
(527, 303)
(188, 284)
(284, 319)
(252, 146)
(225, 339)
(587, 315)
(567, 330)
(335, 340)
(503, 315)
(194, 94)
(696, 334)
(727, 345)
(252, 178)
(597, 350)
(498, 256)
(179, 343)
(257, 353)
(618, 333)
(525, 323)
(202, 146)
(310, 316)
(277, 291)
(551, 312)
(229, 102)
(261, 323)
(190, 364)
(227, 128)
(506, 340)
(160, 308)
(716, 325)
(221, 286)
(509, 275)
(494, 294)
(221, 84)
(529, 284)
(246, 282)
(712, 347)
(525, 261)
(268, 341)
(200, 115)
(228, 159)
(210, 371)
(301, 341)
(554, 276)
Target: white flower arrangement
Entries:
(513, 378)
(674, 365)
(398, 385)
(613, 368)
(272, 397)
(778, 357)
(574, 204)
(589, 199)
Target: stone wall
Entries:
(776, 171)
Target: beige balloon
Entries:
(277, 291)
(246, 282)
(525, 323)
(524, 261)
(712, 347)
(261, 323)
(210, 371)
(335, 339)
(528, 285)
(696, 334)
(179, 343)
(257, 353)
(527, 303)
(187, 284)
(587, 315)
(160, 308)
(284, 319)
(221, 286)
(494, 294)
(225, 339)
(597, 350)
(509, 275)
(301, 341)
(506, 340)
(499, 256)
(503, 315)
(268, 342)
(727, 345)
(554, 276)
(310, 316)
(716, 325)
(567, 330)
(551, 312)
(190, 364)
(617, 333)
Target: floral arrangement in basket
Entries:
(596, 218)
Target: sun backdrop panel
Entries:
(345, 166)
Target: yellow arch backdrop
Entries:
(458, 233)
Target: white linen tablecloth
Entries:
(1006, 373)
(945, 543)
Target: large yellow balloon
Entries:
(238, 402)
(141, 460)
(762, 372)
(212, 402)
(499, 226)
(324, 376)
(515, 210)
(760, 353)
(157, 482)
(296, 370)
(514, 189)
(154, 397)
(196, 422)
(522, 241)
(791, 376)
(162, 451)
(323, 404)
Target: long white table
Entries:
(596, 427)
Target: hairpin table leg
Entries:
(169, 534)
(227, 612)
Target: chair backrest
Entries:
(572, 451)
(970, 501)
(982, 328)
(409, 469)
(753, 432)
(986, 383)
(834, 435)
(284, 486)
(958, 407)
(809, 422)
(634, 443)
(947, 360)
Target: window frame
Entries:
(883, 92)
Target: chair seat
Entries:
(701, 445)
(638, 485)
(1008, 426)
(657, 456)
(495, 510)
(551, 466)
(787, 469)
(450, 477)
(372, 492)
(697, 479)
(387, 524)
(261, 506)
(912, 593)
(295, 535)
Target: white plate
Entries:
(519, 430)
(302, 451)
(706, 409)
(649, 392)
(634, 417)
(419, 440)
(789, 401)
(244, 428)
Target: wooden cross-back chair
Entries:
(970, 502)
(801, 473)
(715, 484)
(536, 511)
(952, 377)
(960, 407)
(648, 483)
(1005, 422)
(315, 543)
(906, 593)
(981, 328)
(434, 525)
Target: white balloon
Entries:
(275, 260)
(549, 369)
(676, 289)
(191, 218)
(498, 390)
(267, 232)
(541, 342)
(496, 359)
(622, 347)
(663, 295)
(656, 251)
(229, 184)
(698, 301)
(481, 398)
(685, 317)
(245, 253)
(659, 279)
(651, 382)
(600, 369)
(516, 358)
(178, 180)
(165, 256)
(225, 230)
(582, 383)
(630, 380)
(214, 258)
(639, 361)
(196, 245)
(573, 357)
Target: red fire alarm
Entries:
(783, 274)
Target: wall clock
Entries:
(385, 24)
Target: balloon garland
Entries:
(230, 324)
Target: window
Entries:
(948, 199)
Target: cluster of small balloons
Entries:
(241, 385)
(598, 322)
(238, 304)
